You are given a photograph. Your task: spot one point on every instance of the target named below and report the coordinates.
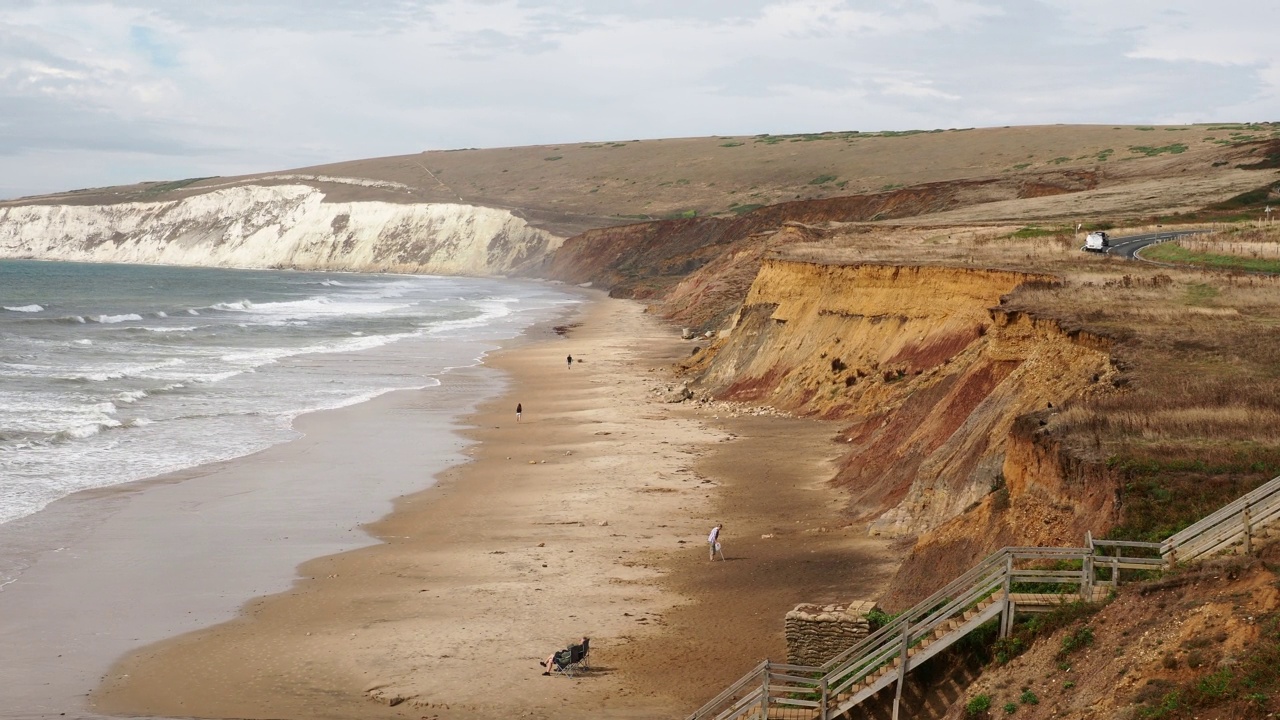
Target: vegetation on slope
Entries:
(1201, 643)
(1195, 419)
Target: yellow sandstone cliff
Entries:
(941, 386)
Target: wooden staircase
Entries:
(1010, 581)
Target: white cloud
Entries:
(107, 91)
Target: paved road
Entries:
(1128, 246)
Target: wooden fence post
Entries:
(1248, 531)
(764, 694)
(822, 709)
(902, 668)
(1006, 621)
(1086, 582)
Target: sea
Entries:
(113, 373)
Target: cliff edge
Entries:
(282, 226)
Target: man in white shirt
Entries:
(713, 542)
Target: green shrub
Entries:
(1028, 698)
(1078, 638)
(879, 618)
(1149, 151)
(977, 705)
(1010, 708)
(1008, 648)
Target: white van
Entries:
(1097, 242)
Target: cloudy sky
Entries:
(100, 92)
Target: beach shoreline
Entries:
(105, 570)
(539, 538)
(588, 517)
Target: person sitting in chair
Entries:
(558, 660)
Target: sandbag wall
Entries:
(817, 633)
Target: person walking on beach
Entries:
(519, 410)
(713, 542)
(570, 362)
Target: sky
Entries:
(105, 92)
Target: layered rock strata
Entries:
(929, 369)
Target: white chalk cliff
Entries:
(284, 226)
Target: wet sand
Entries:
(105, 571)
(588, 517)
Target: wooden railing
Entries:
(1012, 580)
(1233, 523)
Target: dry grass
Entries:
(1194, 416)
(1006, 173)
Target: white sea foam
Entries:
(81, 432)
(490, 310)
(123, 371)
(25, 308)
(210, 378)
(184, 328)
(112, 319)
(214, 391)
(318, 306)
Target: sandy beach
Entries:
(587, 517)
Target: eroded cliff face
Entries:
(283, 226)
(930, 370)
(645, 259)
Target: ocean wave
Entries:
(161, 314)
(119, 373)
(210, 378)
(87, 430)
(182, 328)
(25, 308)
(341, 402)
(131, 396)
(490, 309)
(316, 306)
(274, 323)
(113, 319)
(265, 356)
